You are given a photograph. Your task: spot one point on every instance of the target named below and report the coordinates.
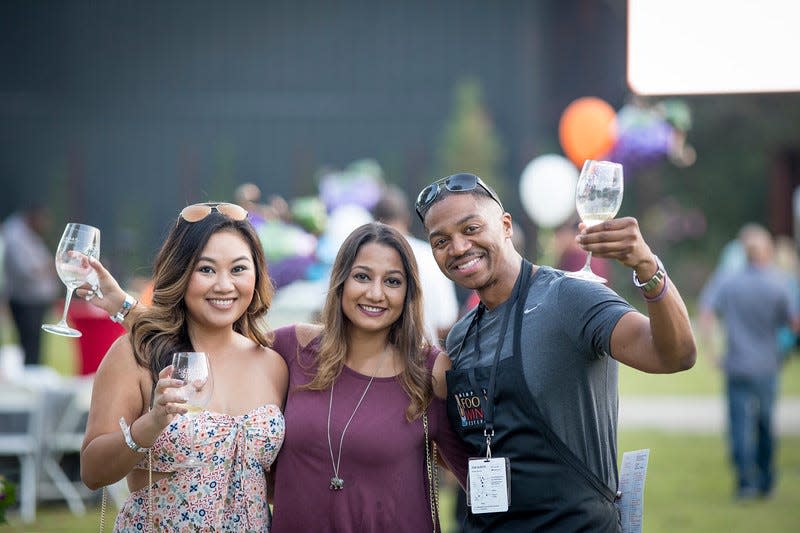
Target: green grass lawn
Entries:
(688, 489)
(689, 486)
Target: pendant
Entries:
(337, 483)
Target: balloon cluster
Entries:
(646, 135)
(637, 136)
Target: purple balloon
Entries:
(642, 145)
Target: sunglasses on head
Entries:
(197, 212)
(463, 182)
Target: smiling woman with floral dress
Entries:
(211, 291)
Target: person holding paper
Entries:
(533, 385)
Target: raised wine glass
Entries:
(195, 370)
(597, 199)
(78, 243)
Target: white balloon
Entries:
(547, 189)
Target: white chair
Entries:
(21, 416)
(67, 412)
(69, 425)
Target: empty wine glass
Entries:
(77, 244)
(597, 199)
(194, 369)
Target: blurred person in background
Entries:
(752, 303)
(31, 282)
(787, 261)
(438, 293)
(248, 195)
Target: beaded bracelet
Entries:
(660, 296)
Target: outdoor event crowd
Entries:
(351, 359)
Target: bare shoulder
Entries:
(119, 358)
(271, 356)
(275, 366)
(120, 385)
(307, 333)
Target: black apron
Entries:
(551, 488)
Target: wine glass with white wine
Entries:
(195, 370)
(78, 243)
(597, 199)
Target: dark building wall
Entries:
(120, 113)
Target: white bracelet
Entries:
(126, 432)
(129, 303)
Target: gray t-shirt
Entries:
(753, 303)
(566, 334)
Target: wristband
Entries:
(129, 303)
(126, 432)
(653, 282)
(660, 296)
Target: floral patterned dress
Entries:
(228, 493)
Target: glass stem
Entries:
(586, 265)
(193, 420)
(67, 300)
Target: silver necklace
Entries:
(337, 483)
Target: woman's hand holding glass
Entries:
(194, 370)
(78, 243)
(168, 399)
(102, 290)
(183, 389)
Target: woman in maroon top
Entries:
(354, 458)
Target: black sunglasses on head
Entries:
(463, 182)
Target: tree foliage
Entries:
(470, 142)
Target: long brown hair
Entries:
(162, 328)
(407, 334)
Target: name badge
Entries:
(489, 484)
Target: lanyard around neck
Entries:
(521, 286)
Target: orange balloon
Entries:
(586, 129)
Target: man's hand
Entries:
(620, 239)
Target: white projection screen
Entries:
(713, 46)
